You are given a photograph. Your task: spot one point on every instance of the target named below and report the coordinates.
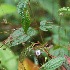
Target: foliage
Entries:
(7, 62)
(59, 51)
(53, 64)
(45, 26)
(49, 7)
(25, 16)
(19, 36)
(7, 9)
(65, 12)
(50, 38)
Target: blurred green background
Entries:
(39, 10)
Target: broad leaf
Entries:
(53, 64)
(19, 36)
(58, 51)
(7, 58)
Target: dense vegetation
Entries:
(35, 34)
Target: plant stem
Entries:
(36, 22)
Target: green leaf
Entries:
(31, 32)
(59, 34)
(25, 16)
(62, 41)
(7, 58)
(19, 36)
(58, 51)
(53, 64)
(45, 26)
(7, 9)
